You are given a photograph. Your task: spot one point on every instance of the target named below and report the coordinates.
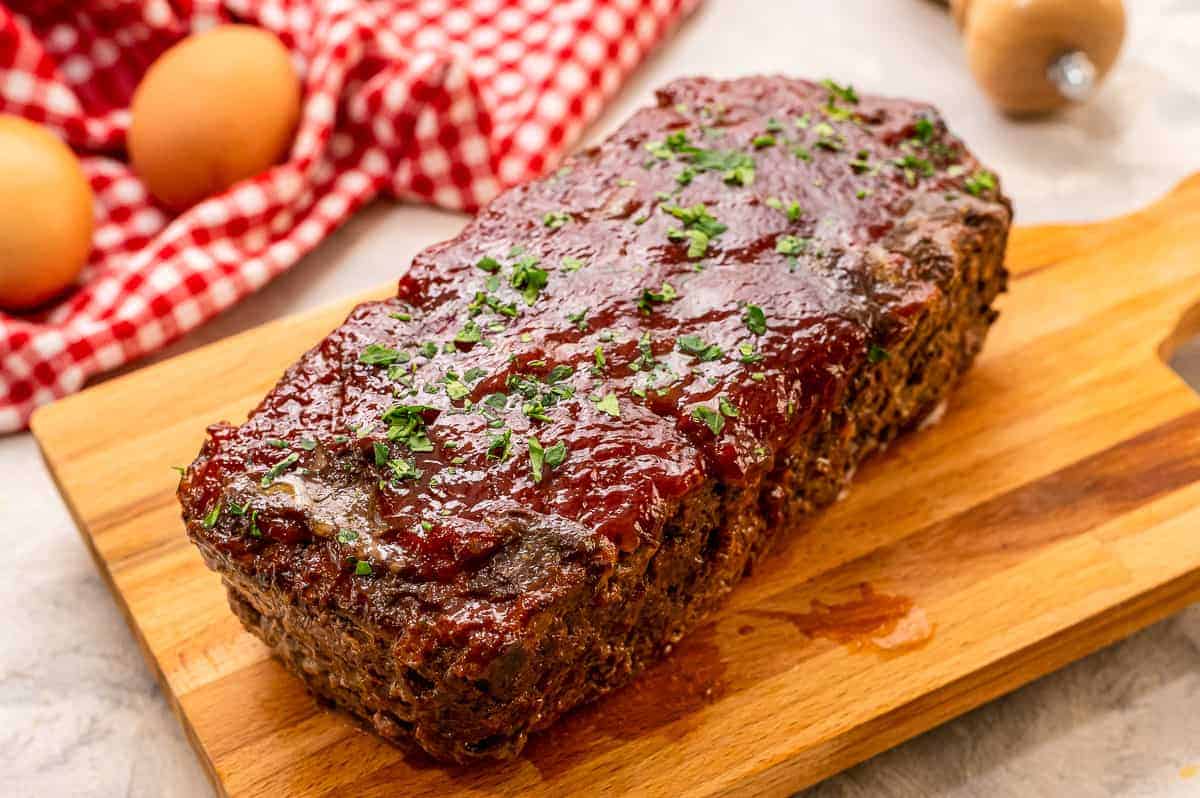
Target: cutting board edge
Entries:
(160, 677)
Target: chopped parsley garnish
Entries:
(428, 349)
(700, 227)
(736, 168)
(528, 279)
(486, 300)
(488, 264)
(362, 568)
(579, 319)
(748, 353)
(756, 320)
(474, 373)
(347, 536)
(469, 334)
(710, 418)
(556, 455)
(774, 125)
(980, 182)
(540, 458)
(537, 458)
(456, 390)
(210, 520)
(406, 425)
(403, 469)
(556, 219)
(763, 141)
(697, 241)
(650, 298)
(380, 355)
(307, 444)
(697, 217)
(727, 408)
(695, 346)
(500, 446)
(535, 410)
(598, 356)
(183, 470)
(570, 264)
(400, 315)
(827, 137)
(608, 404)
(276, 443)
(877, 354)
(255, 532)
(789, 245)
(924, 130)
(792, 209)
(276, 470)
(912, 167)
(846, 93)
(381, 453)
(861, 162)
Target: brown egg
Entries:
(214, 109)
(45, 215)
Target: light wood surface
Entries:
(1052, 511)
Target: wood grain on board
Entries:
(1053, 510)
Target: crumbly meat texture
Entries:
(504, 491)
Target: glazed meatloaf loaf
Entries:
(502, 492)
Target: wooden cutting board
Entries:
(1054, 510)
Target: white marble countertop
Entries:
(80, 713)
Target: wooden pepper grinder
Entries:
(1033, 56)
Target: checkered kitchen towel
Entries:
(441, 101)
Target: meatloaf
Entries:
(502, 492)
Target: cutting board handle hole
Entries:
(1181, 349)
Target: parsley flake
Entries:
(556, 219)
(710, 418)
(698, 348)
(846, 93)
(528, 279)
(500, 446)
(579, 319)
(277, 470)
(488, 264)
(469, 334)
(789, 245)
(756, 320)
(980, 182)
(649, 298)
(608, 404)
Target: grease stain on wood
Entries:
(873, 621)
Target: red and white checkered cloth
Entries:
(441, 101)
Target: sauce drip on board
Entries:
(877, 621)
